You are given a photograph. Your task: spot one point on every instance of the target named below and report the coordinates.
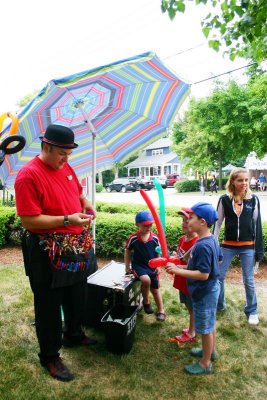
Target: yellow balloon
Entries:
(14, 124)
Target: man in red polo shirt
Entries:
(57, 246)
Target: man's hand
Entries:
(80, 219)
(87, 207)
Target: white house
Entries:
(157, 159)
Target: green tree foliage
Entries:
(27, 98)
(241, 25)
(225, 126)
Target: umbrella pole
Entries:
(91, 129)
(93, 179)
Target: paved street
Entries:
(172, 198)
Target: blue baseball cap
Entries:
(144, 218)
(205, 211)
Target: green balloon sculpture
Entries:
(161, 202)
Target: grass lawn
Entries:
(154, 367)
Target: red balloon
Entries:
(162, 239)
(157, 262)
(174, 260)
(162, 261)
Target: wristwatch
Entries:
(66, 221)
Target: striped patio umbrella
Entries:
(114, 110)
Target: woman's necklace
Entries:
(239, 199)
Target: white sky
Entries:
(44, 40)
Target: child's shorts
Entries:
(205, 311)
(152, 273)
(184, 299)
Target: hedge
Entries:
(115, 222)
(193, 185)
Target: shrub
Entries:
(114, 224)
(193, 185)
(114, 208)
(112, 231)
(7, 218)
(98, 188)
(187, 186)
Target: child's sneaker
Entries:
(197, 352)
(197, 369)
(253, 319)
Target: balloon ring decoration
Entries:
(5, 149)
(160, 261)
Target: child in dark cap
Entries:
(139, 249)
(203, 284)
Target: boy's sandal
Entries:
(160, 316)
(148, 308)
(183, 338)
(175, 338)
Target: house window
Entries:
(167, 169)
(155, 171)
(157, 152)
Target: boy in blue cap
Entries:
(203, 284)
(139, 249)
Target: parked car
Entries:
(161, 179)
(121, 185)
(142, 183)
(171, 179)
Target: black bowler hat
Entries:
(59, 136)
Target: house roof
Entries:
(151, 161)
(159, 144)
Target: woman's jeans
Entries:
(247, 258)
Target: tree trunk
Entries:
(100, 178)
(116, 172)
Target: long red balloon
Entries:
(162, 239)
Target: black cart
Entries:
(108, 287)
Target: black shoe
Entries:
(148, 309)
(58, 370)
(83, 340)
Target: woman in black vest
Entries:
(240, 209)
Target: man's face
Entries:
(56, 157)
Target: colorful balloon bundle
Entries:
(160, 261)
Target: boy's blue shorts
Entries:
(152, 273)
(205, 311)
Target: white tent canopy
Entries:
(228, 168)
(254, 163)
